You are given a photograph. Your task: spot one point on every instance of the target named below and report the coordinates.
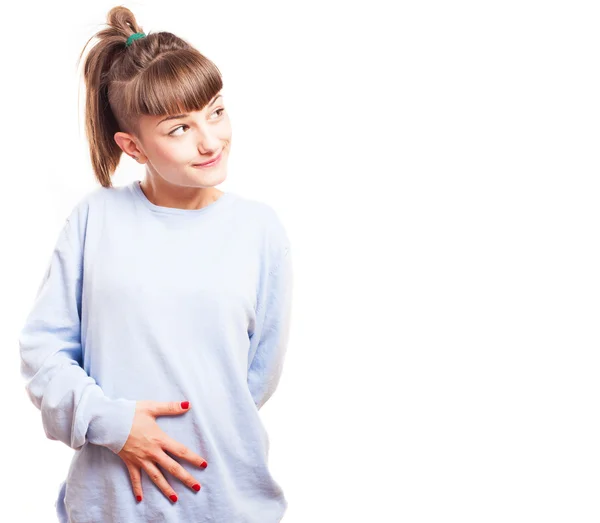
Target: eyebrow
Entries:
(177, 116)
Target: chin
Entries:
(207, 179)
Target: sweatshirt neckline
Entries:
(211, 207)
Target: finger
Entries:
(157, 477)
(136, 481)
(169, 408)
(179, 449)
(175, 469)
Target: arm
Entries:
(74, 408)
(269, 340)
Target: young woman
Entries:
(161, 325)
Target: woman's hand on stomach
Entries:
(145, 448)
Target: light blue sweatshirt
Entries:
(145, 302)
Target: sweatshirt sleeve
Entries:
(268, 342)
(74, 408)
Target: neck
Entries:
(160, 192)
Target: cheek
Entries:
(225, 129)
(174, 152)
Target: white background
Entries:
(436, 166)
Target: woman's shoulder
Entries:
(267, 219)
(259, 210)
(92, 201)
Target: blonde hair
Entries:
(159, 74)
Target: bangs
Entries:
(178, 82)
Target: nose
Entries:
(208, 144)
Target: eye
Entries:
(179, 127)
(222, 109)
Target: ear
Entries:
(129, 146)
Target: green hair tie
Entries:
(133, 37)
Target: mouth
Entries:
(211, 162)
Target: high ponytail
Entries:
(159, 74)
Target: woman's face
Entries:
(172, 146)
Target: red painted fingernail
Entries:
(185, 404)
(173, 497)
(196, 487)
(139, 498)
(204, 465)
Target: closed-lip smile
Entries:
(213, 160)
